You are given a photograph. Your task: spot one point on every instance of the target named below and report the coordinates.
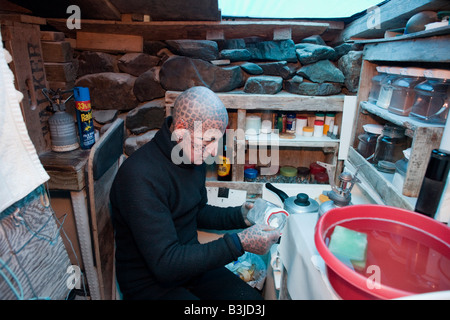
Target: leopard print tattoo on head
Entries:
(200, 104)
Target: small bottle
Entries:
(433, 183)
(318, 128)
(290, 123)
(328, 124)
(224, 166)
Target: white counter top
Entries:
(306, 274)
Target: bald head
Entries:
(200, 104)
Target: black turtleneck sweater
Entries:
(157, 207)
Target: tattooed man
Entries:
(159, 201)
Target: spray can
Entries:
(84, 117)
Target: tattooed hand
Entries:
(245, 208)
(258, 238)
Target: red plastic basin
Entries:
(407, 252)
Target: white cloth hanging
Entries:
(20, 169)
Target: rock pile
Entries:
(135, 83)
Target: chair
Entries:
(104, 160)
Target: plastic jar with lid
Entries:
(403, 92)
(400, 170)
(432, 97)
(376, 84)
(315, 168)
(250, 175)
(288, 174)
(368, 140)
(303, 175)
(308, 131)
(386, 89)
(321, 178)
(300, 122)
(389, 148)
(318, 128)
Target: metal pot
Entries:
(301, 203)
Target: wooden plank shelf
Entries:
(196, 30)
(379, 182)
(282, 101)
(410, 124)
(297, 141)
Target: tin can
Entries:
(85, 121)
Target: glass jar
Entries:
(288, 174)
(376, 84)
(389, 148)
(400, 170)
(403, 93)
(386, 89)
(303, 175)
(432, 97)
(368, 140)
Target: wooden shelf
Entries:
(379, 182)
(409, 123)
(282, 101)
(297, 141)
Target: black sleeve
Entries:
(218, 218)
(154, 233)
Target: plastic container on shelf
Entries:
(300, 122)
(303, 175)
(389, 148)
(318, 128)
(250, 175)
(432, 97)
(321, 178)
(288, 174)
(308, 131)
(403, 92)
(386, 89)
(376, 84)
(368, 140)
(315, 168)
(400, 170)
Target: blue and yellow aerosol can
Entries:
(85, 122)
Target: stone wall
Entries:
(133, 85)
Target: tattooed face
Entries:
(200, 117)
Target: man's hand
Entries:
(245, 208)
(258, 238)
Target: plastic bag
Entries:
(265, 212)
(251, 268)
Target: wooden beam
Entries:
(109, 42)
(196, 30)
